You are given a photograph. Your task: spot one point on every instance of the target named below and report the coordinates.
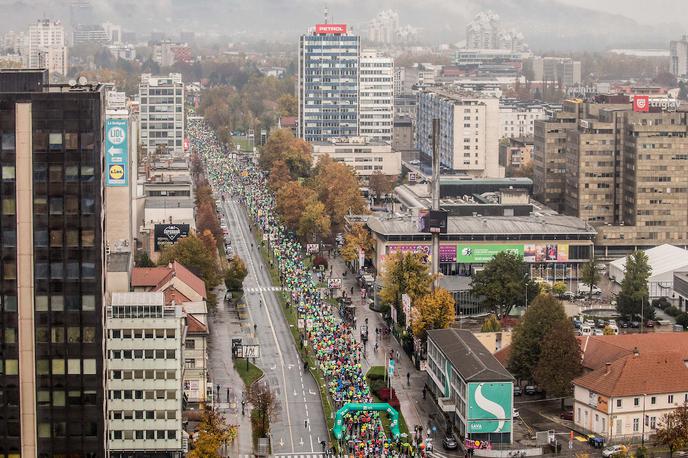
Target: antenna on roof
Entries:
(326, 14)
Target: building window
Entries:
(618, 403)
(636, 425)
(653, 400)
(670, 399)
(190, 344)
(636, 401)
(653, 422)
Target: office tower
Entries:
(162, 112)
(47, 47)
(678, 53)
(517, 118)
(85, 34)
(469, 130)
(52, 271)
(562, 70)
(485, 32)
(376, 96)
(145, 342)
(328, 96)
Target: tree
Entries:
(143, 260)
(264, 406)
(297, 156)
(287, 105)
(208, 240)
(673, 429)
(633, 297)
(192, 253)
(590, 275)
(291, 201)
(338, 188)
(491, 324)
(432, 311)
(404, 273)
(381, 184)
(682, 91)
(559, 361)
(212, 432)
(278, 141)
(314, 224)
(235, 274)
(357, 238)
(541, 316)
(504, 283)
(279, 175)
(558, 288)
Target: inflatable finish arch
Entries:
(375, 406)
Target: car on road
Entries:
(530, 389)
(614, 450)
(566, 415)
(449, 442)
(598, 332)
(517, 390)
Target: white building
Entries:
(364, 156)
(47, 47)
(664, 260)
(376, 103)
(162, 112)
(144, 374)
(469, 130)
(517, 119)
(678, 53)
(555, 69)
(485, 32)
(114, 32)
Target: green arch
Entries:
(374, 406)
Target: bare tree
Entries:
(264, 404)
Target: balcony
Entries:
(446, 404)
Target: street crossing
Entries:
(263, 289)
(291, 455)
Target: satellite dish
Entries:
(82, 81)
(72, 83)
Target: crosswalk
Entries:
(262, 289)
(291, 455)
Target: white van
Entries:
(584, 289)
(585, 330)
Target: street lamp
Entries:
(642, 439)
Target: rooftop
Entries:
(469, 357)
(662, 259)
(139, 298)
(169, 202)
(156, 277)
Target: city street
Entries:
(299, 425)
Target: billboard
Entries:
(476, 253)
(116, 152)
(490, 407)
(550, 252)
(169, 234)
(432, 221)
(330, 29)
(447, 253)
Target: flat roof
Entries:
(169, 202)
(469, 357)
(482, 225)
(138, 298)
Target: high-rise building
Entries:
(52, 270)
(485, 32)
(376, 96)
(145, 342)
(517, 119)
(678, 53)
(85, 34)
(47, 47)
(469, 130)
(562, 70)
(162, 112)
(329, 59)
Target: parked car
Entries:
(517, 390)
(449, 442)
(585, 289)
(650, 324)
(516, 413)
(613, 450)
(530, 389)
(598, 332)
(566, 415)
(635, 324)
(568, 295)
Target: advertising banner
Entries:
(475, 253)
(312, 248)
(334, 283)
(423, 249)
(552, 252)
(169, 234)
(447, 253)
(116, 152)
(330, 28)
(490, 407)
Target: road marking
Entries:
(311, 392)
(272, 327)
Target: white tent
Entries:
(664, 260)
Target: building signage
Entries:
(552, 252)
(116, 152)
(474, 253)
(334, 283)
(169, 234)
(447, 253)
(312, 248)
(116, 100)
(330, 29)
(422, 249)
(475, 444)
(490, 407)
(251, 351)
(642, 103)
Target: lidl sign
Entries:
(116, 152)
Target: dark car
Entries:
(449, 442)
(530, 389)
(566, 415)
(635, 324)
(517, 390)
(650, 324)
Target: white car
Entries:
(614, 450)
(516, 414)
(584, 289)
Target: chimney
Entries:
(636, 352)
(607, 366)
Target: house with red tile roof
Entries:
(186, 285)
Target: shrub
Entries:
(376, 373)
(682, 319)
(661, 303)
(672, 311)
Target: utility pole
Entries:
(435, 199)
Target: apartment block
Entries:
(328, 86)
(376, 96)
(364, 156)
(678, 54)
(469, 130)
(51, 364)
(145, 345)
(162, 112)
(47, 47)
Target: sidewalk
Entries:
(416, 410)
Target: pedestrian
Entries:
(397, 355)
(218, 389)
(227, 394)
(352, 291)
(305, 423)
(424, 392)
(408, 379)
(255, 326)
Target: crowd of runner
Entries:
(330, 341)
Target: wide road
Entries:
(299, 424)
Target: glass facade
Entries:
(328, 86)
(68, 266)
